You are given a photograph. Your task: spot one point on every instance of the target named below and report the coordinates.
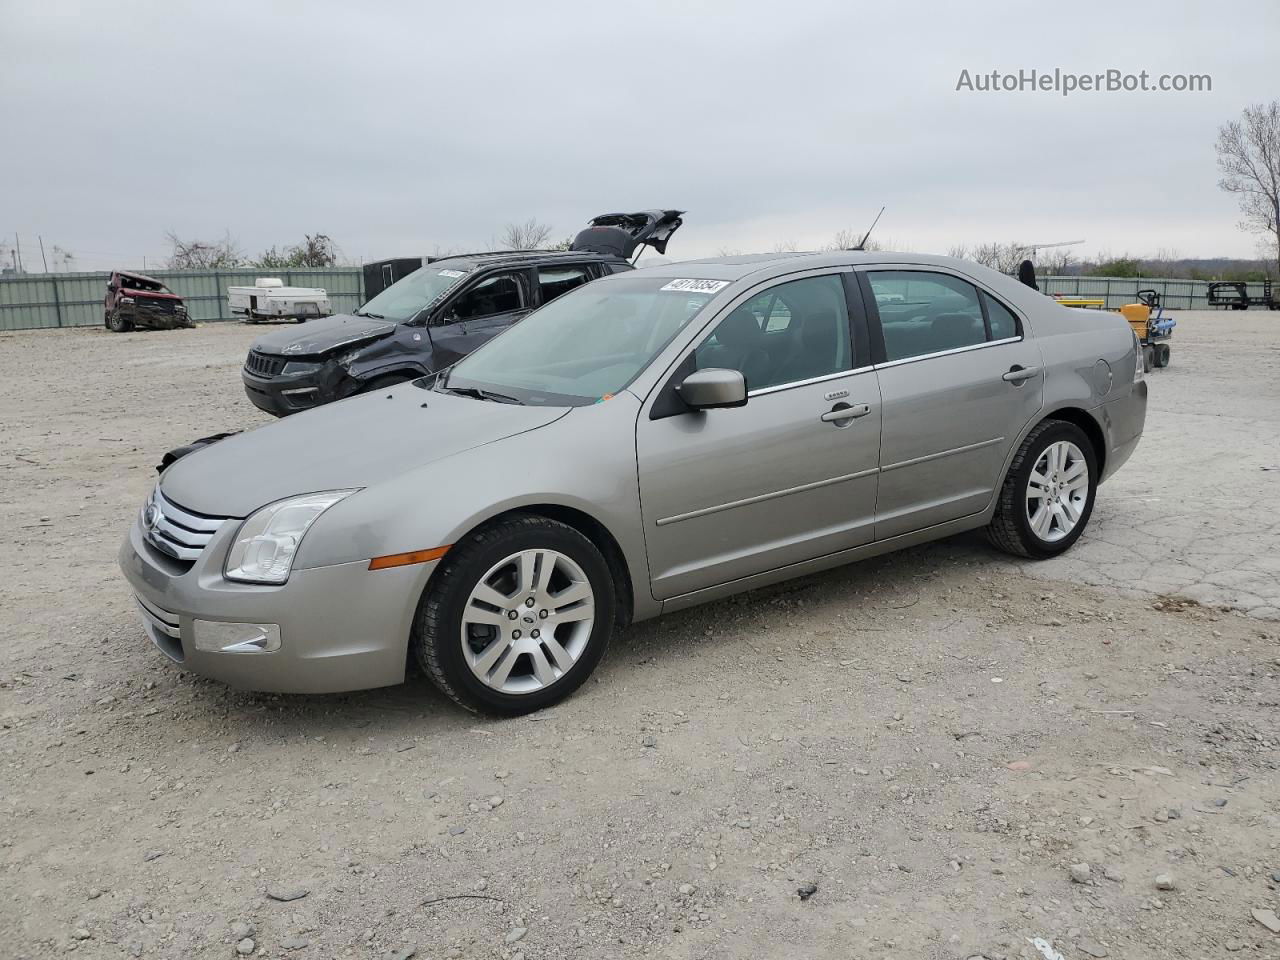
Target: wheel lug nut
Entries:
(535, 634)
(511, 614)
(542, 614)
(529, 602)
(515, 634)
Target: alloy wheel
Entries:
(527, 621)
(1057, 491)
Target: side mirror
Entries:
(112, 286)
(714, 388)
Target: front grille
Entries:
(264, 365)
(156, 306)
(175, 531)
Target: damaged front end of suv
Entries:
(135, 301)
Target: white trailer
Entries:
(270, 299)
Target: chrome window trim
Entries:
(948, 353)
(804, 383)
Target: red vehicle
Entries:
(134, 300)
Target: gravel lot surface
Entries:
(939, 753)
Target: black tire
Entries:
(1010, 527)
(1148, 358)
(437, 630)
(1161, 358)
(117, 323)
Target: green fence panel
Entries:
(32, 301)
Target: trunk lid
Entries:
(619, 234)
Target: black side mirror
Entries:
(112, 286)
(713, 389)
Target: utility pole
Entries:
(42, 256)
(17, 246)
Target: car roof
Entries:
(736, 267)
(503, 258)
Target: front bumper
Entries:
(342, 627)
(286, 393)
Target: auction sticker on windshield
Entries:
(453, 273)
(696, 286)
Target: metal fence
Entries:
(1117, 291)
(38, 300)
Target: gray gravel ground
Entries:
(938, 741)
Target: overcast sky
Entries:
(402, 128)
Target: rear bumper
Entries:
(342, 627)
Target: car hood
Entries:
(322, 335)
(352, 443)
(149, 294)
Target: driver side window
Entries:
(501, 293)
(792, 332)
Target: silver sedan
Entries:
(647, 442)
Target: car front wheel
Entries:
(516, 617)
(117, 323)
(1047, 496)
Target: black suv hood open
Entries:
(319, 336)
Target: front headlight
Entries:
(267, 542)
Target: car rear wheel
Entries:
(118, 324)
(516, 617)
(1047, 496)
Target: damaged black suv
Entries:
(437, 315)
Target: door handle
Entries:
(836, 414)
(1017, 374)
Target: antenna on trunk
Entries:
(862, 244)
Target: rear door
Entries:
(959, 379)
(479, 312)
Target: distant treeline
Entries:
(1217, 268)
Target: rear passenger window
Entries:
(555, 281)
(923, 313)
(1004, 325)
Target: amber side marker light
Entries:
(404, 559)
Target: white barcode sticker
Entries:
(453, 273)
(696, 286)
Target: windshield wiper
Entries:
(376, 316)
(478, 394)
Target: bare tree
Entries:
(315, 250)
(1055, 261)
(530, 235)
(1004, 257)
(63, 260)
(1249, 158)
(843, 240)
(203, 255)
(785, 246)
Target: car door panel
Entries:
(950, 416)
(948, 425)
(453, 338)
(729, 493)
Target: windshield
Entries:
(585, 345)
(407, 296)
